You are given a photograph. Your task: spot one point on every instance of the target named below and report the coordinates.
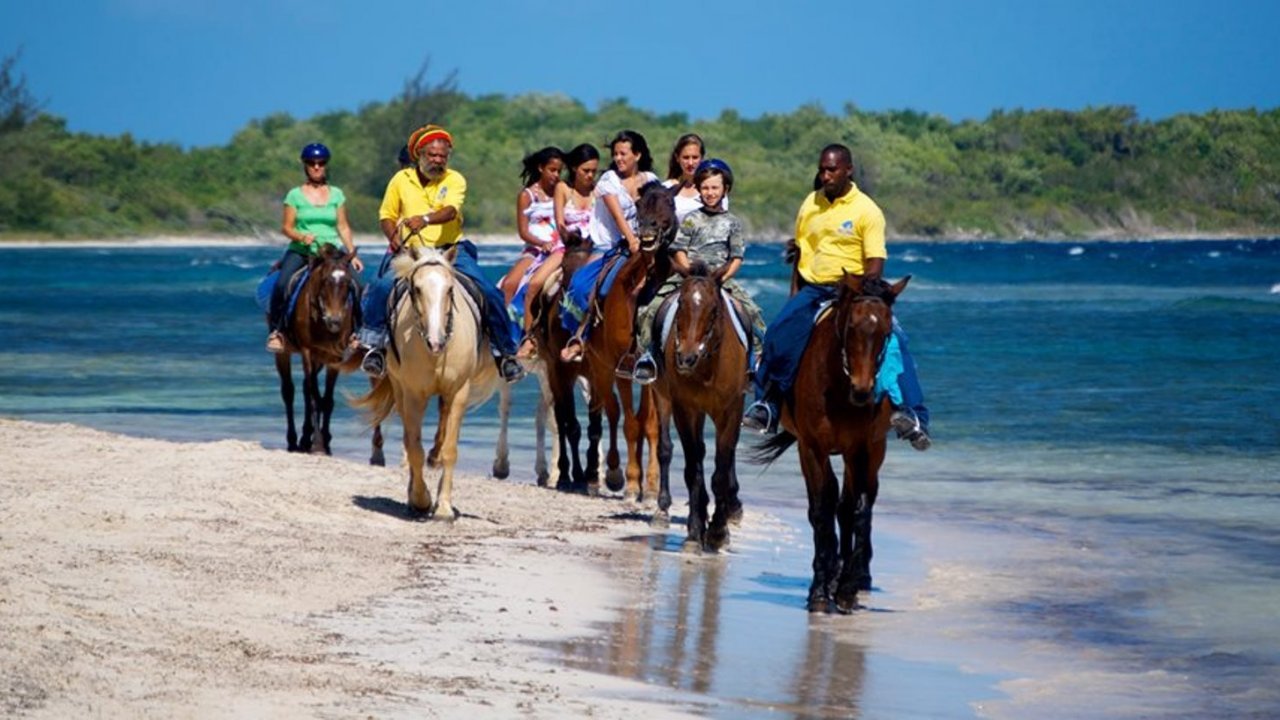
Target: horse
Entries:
(611, 340)
(321, 327)
(704, 374)
(832, 410)
(557, 380)
(438, 349)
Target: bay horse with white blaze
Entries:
(321, 327)
(438, 349)
(703, 374)
(833, 410)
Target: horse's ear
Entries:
(850, 281)
(415, 253)
(899, 286)
(452, 253)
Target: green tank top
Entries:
(318, 220)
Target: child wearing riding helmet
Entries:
(315, 214)
(712, 236)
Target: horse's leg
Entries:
(540, 467)
(689, 426)
(824, 493)
(631, 435)
(376, 456)
(724, 479)
(284, 369)
(861, 484)
(433, 455)
(501, 458)
(326, 408)
(451, 412)
(649, 424)
(663, 405)
(412, 407)
(595, 433)
(310, 393)
(613, 478)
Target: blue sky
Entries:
(195, 71)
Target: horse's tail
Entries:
(770, 449)
(378, 403)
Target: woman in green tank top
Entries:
(315, 215)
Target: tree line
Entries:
(1020, 173)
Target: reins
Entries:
(842, 330)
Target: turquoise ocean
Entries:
(1107, 445)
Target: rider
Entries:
(422, 207)
(711, 235)
(838, 229)
(315, 215)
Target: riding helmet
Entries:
(315, 151)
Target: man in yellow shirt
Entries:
(422, 207)
(838, 229)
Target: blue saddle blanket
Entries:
(578, 295)
(268, 284)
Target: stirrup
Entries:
(645, 371)
(374, 363)
(766, 425)
(528, 348)
(626, 366)
(572, 350)
(510, 368)
(275, 343)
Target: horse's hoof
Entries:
(846, 605)
(818, 605)
(593, 489)
(448, 514)
(692, 546)
(660, 520)
(631, 496)
(717, 538)
(614, 480)
(734, 516)
(501, 469)
(543, 479)
(378, 460)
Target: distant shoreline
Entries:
(368, 242)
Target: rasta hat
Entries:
(424, 136)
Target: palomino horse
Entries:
(557, 380)
(834, 410)
(319, 331)
(611, 339)
(704, 373)
(438, 349)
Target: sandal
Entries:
(572, 351)
(275, 342)
(528, 348)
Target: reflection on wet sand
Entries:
(716, 626)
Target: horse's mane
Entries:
(868, 287)
(699, 268)
(405, 263)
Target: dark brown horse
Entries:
(319, 331)
(833, 410)
(611, 340)
(704, 374)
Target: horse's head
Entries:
(655, 217)
(864, 319)
(429, 274)
(697, 329)
(334, 283)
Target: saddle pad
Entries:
(667, 317)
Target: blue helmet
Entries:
(718, 165)
(315, 151)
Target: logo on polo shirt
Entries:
(443, 191)
(846, 227)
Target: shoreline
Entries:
(374, 242)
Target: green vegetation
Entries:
(1044, 173)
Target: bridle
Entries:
(413, 289)
(710, 341)
(842, 330)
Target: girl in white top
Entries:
(535, 216)
(685, 156)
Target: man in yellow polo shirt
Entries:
(838, 229)
(422, 207)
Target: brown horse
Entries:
(321, 327)
(704, 373)
(611, 340)
(833, 410)
(556, 381)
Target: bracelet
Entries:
(426, 218)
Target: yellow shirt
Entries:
(839, 236)
(406, 197)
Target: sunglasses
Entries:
(315, 163)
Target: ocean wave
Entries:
(1275, 289)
